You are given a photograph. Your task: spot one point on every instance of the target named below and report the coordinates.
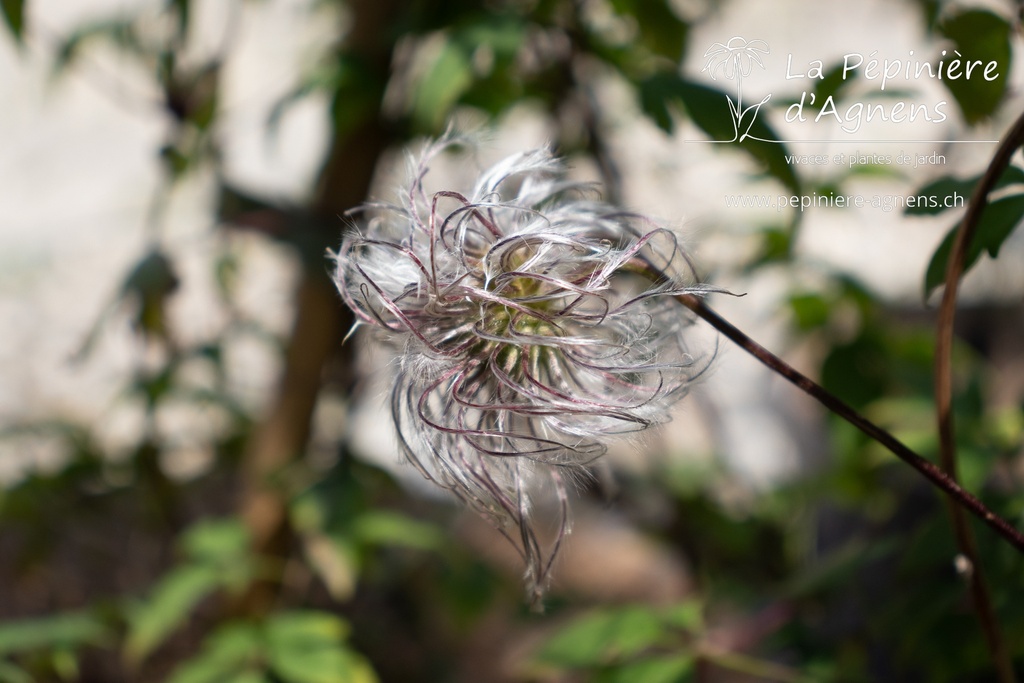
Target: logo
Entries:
(886, 94)
(735, 60)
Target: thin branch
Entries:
(930, 471)
(944, 393)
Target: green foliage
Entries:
(627, 644)
(62, 631)
(604, 637)
(449, 76)
(53, 642)
(664, 669)
(120, 32)
(941, 192)
(291, 647)
(14, 15)
(998, 221)
(843, 575)
(709, 109)
(978, 35)
(9, 673)
(660, 29)
(834, 83)
(216, 557)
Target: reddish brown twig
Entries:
(944, 393)
(929, 470)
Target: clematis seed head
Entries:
(528, 333)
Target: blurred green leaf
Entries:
(216, 541)
(9, 673)
(153, 276)
(204, 669)
(68, 630)
(677, 668)
(119, 31)
(857, 371)
(65, 663)
(604, 636)
(810, 310)
(978, 35)
(14, 15)
(306, 647)
(226, 653)
(323, 665)
(997, 222)
(184, 8)
(501, 34)
(709, 109)
(355, 88)
(172, 601)
(839, 566)
(777, 245)
(941, 192)
(247, 677)
(305, 630)
(834, 82)
(448, 76)
(656, 95)
(661, 30)
(688, 616)
(938, 191)
(383, 527)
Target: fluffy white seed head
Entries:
(527, 332)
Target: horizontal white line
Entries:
(848, 142)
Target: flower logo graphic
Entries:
(735, 60)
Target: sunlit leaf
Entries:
(67, 630)
(323, 665)
(389, 528)
(604, 636)
(688, 615)
(216, 541)
(226, 653)
(9, 673)
(172, 601)
(301, 630)
(672, 669)
(204, 669)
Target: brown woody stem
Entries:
(929, 470)
(944, 392)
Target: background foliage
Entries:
(274, 565)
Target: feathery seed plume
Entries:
(526, 336)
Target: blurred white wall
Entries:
(78, 172)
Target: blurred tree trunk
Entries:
(320, 317)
